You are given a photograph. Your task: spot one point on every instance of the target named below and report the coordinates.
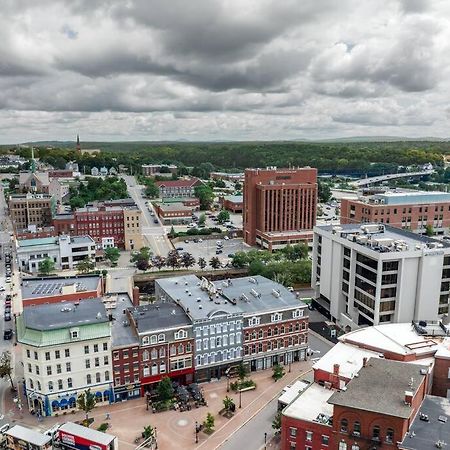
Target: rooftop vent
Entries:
(252, 280)
(99, 315)
(173, 312)
(66, 309)
(276, 293)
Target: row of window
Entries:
(218, 328)
(154, 339)
(276, 317)
(60, 385)
(218, 341)
(308, 436)
(126, 354)
(49, 368)
(219, 356)
(174, 350)
(47, 354)
(275, 332)
(274, 345)
(96, 362)
(376, 431)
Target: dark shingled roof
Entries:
(158, 316)
(380, 387)
(423, 435)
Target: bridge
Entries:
(379, 179)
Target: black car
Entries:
(155, 221)
(7, 334)
(218, 251)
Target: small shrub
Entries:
(103, 427)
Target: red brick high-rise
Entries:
(279, 206)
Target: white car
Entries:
(8, 279)
(226, 238)
(200, 240)
(2, 288)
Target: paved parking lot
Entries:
(207, 248)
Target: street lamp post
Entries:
(156, 439)
(265, 440)
(240, 398)
(228, 383)
(196, 432)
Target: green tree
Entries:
(209, 423)
(172, 233)
(148, 432)
(223, 216)
(276, 423)
(324, 192)
(151, 188)
(144, 253)
(237, 186)
(220, 184)
(239, 260)
(173, 259)
(159, 262)
(278, 372)
(242, 371)
(165, 389)
(205, 194)
(187, 260)
(202, 219)
(142, 264)
(86, 402)
(47, 266)
(228, 403)
(214, 262)
(6, 368)
(202, 263)
(429, 231)
(113, 255)
(86, 265)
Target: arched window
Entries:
(146, 371)
(39, 385)
(376, 433)
(154, 353)
(282, 329)
(290, 328)
(69, 382)
(98, 377)
(161, 337)
(145, 355)
(31, 384)
(88, 378)
(357, 428)
(269, 332)
(342, 445)
(269, 346)
(390, 436)
(162, 352)
(180, 349)
(50, 385)
(254, 335)
(162, 367)
(107, 375)
(344, 426)
(303, 325)
(173, 350)
(145, 340)
(297, 326)
(154, 369)
(260, 334)
(153, 339)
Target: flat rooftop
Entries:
(121, 333)
(53, 316)
(158, 316)
(50, 286)
(290, 393)
(383, 238)
(399, 338)
(411, 197)
(424, 435)
(349, 358)
(174, 207)
(88, 433)
(380, 387)
(234, 198)
(36, 242)
(312, 405)
(245, 295)
(28, 435)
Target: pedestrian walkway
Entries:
(177, 429)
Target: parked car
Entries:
(7, 334)
(7, 316)
(230, 255)
(155, 221)
(226, 238)
(200, 240)
(219, 251)
(179, 249)
(2, 288)
(8, 279)
(187, 241)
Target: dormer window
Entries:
(297, 313)
(254, 321)
(145, 340)
(74, 333)
(180, 334)
(161, 337)
(276, 317)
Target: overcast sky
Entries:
(223, 69)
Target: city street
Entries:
(154, 233)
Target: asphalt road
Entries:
(251, 435)
(154, 233)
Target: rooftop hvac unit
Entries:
(275, 293)
(254, 293)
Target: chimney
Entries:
(364, 362)
(336, 369)
(408, 397)
(135, 296)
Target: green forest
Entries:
(334, 158)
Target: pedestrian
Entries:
(108, 416)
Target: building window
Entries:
(145, 340)
(60, 385)
(180, 349)
(97, 377)
(69, 382)
(357, 428)
(88, 379)
(49, 370)
(309, 436)
(390, 436)
(276, 317)
(173, 350)
(47, 356)
(161, 337)
(106, 360)
(57, 354)
(116, 356)
(145, 355)
(86, 349)
(35, 356)
(107, 375)
(97, 362)
(344, 426)
(153, 339)
(68, 367)
(74, 334)
(95, 348)
(105, 346)
(325, 439)
(181, 334)
(205, 344)
(297, 313)
(28, 353)
(30, 368)
(88, 363)
(50, 386)
(154, 353)
(254, 321)
(342, 445)
(67, 353)
(376, 433)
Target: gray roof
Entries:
(121, 332)
(198, 303)
(158, 316)
(82, 240)
(31, 436)
(424, 435)
(262, 294)
(234, 198)
(88, 433)
(247, 295)
(380, 387)
(55, 316)
(49, 286)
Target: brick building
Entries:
(178, 188)
(373, 411)
(38, 291)
(233, 203)
(150, 170)
(35, 210)
(166, 346)
(119, 221)
(408, 210)
(174, 213)
(279, 206)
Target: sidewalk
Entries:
(177, 429)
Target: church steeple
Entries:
(33, 162)
(78, 144)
